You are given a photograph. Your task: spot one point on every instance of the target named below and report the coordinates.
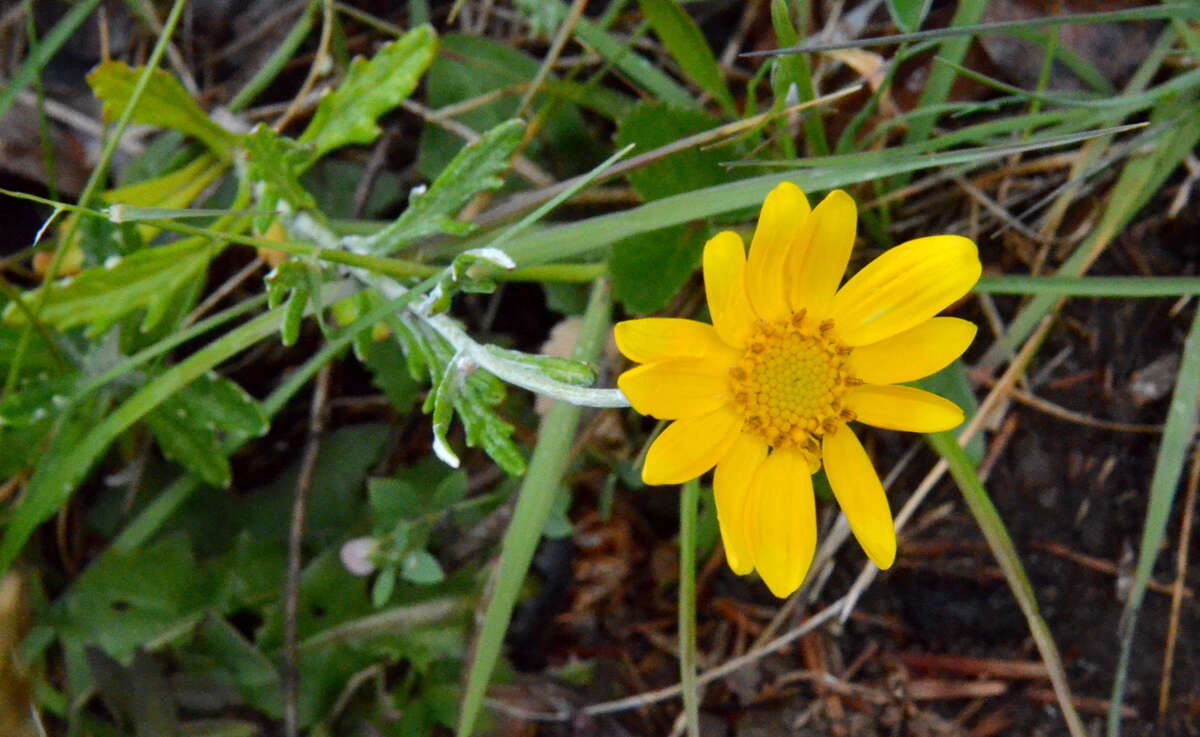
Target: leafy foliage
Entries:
(476, 168)
(649, 268)
(149, 280)
(191, 425)
(274, 163)
(165, 104)
(371, 88)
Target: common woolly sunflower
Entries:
(765, 393)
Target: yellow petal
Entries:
(860, 495)
(654, 339)
(673, 390)
(782, 226)
(902, 408)
(913, 354)
(817, 264)
(783, 528)
(730, 481)
(725, 287)
(688, 448)
(904, 287)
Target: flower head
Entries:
(766, 392)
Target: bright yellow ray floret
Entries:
(765, 393)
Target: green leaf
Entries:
(220, 653)
(38, 355)
(419, 567)
(275, 163)
(165, 104)
(476, 168)
(127, 600)
(150, 279)
(565, 370)
(648, 269)
(289, 281)
(389, 372)
(39, 397)
(679, 34)
(371, 88)
(471, 67)
(79, 444)
(472, 396)
(384, 587)
(653, 124)
(195, 448)
(393, 500)
(217, 403)
(908, 14)
(22, 446)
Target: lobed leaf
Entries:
(195, 448)
(149, 280)
(274, 163)
(474, 169)
(164, 104)
(347, 115)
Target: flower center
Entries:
(790, 382)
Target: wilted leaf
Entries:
(164, 103)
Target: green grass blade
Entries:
(1115, 287)
(988, 519)
(795, 70)
(1139, 180)
(687, 45)
(937, 86)
(275, 63)
(574, 239)
(534, 502)
(46, 49)
(689, 498)
(651, 79)
(1168, 467)
(1174, 11)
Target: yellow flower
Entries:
(765, 393)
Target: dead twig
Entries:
(291, 602)
(1177, 589)
(1101, 565)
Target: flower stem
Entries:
(688, 503)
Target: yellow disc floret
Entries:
(790, 382)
